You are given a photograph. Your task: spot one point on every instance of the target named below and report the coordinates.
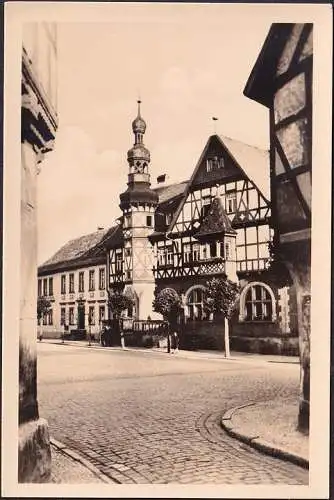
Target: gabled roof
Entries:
(259, 86)
(77, 250)
(216, 221)
(253, 162)
(167, 193)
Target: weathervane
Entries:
(214, 119)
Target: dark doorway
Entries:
(81, 317)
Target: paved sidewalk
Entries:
(270, 427)
(201, 354)
(68, 467)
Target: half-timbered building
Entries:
(216, 224)
(281, 80)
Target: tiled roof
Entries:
(253, 161)
(166, 193)
(216, 220)
(79, 247)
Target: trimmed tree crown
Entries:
(221, 296)
(167, 303)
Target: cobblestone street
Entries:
(155, 418)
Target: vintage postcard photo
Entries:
(167, 201)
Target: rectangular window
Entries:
(206, 203)
(231, 202)
(128, 275)
(39, 288)
(63, 284)
(102, 279)
(45, 319)
(209, 165)
(45, 286)
(187, 252)
(50, 317)
(91, 315)
(222, 252)
(119, 263)
(101, 313)
(149, 220)
(62, 315)
(81, 281)
(196, 251)
(50, 286)
(128, 252)
(71, 283)
(71, 315)
(91, 280)
(227, 250)
(213, 249)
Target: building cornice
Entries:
(39, 120)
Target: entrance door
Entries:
(81, 317)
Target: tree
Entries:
(167, 302)
(118, 302)
(222, 295)
(43, 307)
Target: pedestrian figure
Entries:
(175, 342)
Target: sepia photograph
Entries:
(166, 327)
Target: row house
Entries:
(74, 281)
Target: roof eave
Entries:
(259, 86)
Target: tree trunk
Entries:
(226, 338)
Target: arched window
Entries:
(195, 303)
(257, 303)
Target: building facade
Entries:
(38, 130)
(216, 224)
(281, 80)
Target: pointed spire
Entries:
(139, 103)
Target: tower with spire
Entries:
(138, 204)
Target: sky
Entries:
(187, 63)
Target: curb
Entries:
(63, 448)
(257, 442)
(185, 354)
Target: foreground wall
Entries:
(38, 131)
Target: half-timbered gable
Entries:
(221, 171)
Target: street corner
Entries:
(249, 424)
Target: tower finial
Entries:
(139, 103)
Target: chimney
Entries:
(162, 178)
